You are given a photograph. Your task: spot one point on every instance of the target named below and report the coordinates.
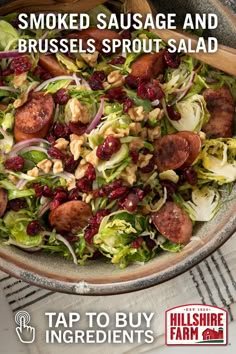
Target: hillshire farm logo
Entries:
(196, 325)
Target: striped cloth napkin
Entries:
(211, 282)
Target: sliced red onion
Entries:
(66, 175)
(45, 207)
(8, 88)
(97, 118)
(57, 111)
(21, 183)
(85, 84)
(77, 80)
(10, 54)
(54, 79)
(23, 144)
(35, 148)
(4, 133)
(183, 92)
(66, 243)
(155, 103)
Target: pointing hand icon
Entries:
(25, 333)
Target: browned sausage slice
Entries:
(171, 152)
(148, 66)
(34, 118)
(49, 63)
(3, 201)
(173, 223)
(194, 143)
(71, 216)
(221, 106)
(3, 107)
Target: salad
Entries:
(112, 155)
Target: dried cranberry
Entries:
(78, 128)
(96, 79)
(117, 60)
(61, 97)
(38, 190)
(130, 202)
(133, 81)
(74, 194)
(45, 76)
(107, 188)
(170, 186)
(190, 175)
(100, 215)
(134, 156)
(34, 228)
(17, 204)
(150, 243)
(51, 138)
(151, 91)
(70, 164)
(112, 143)
(38, 71)
(54, 204)
(99, 193)
(61, 130)
(173, 115)
(137, 243)
(116, 94)
(61, 196)
(89, 234)
(139, 192)
(21, 65)
(84, 184)
(102, 153)
(47, 192)
(118, 193)
(56, 153)
(149, 167)
(172, 59)
(128, 104)
(126, 34)
(7, 72)
(15, 163)
(109, 147)
(90, 173)
(59, 190)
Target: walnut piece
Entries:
(57, 166)
(45, 165)
(137, 114)
(115, 78)
(34, 172)
(91, 59)
(61, 144)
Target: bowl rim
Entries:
(83, 287)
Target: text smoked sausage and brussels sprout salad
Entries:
(110, 155)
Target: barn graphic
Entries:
(213, 335)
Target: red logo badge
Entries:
(196, 325)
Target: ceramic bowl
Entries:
(100, 278)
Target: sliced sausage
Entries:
(194, 143)
(49, 63)
(149, 66)
(221, 106)
(34, 118)
(71, 216)
(3, 107)
(98, 35)
(173, 223)
(170, 152)
(3, 201)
